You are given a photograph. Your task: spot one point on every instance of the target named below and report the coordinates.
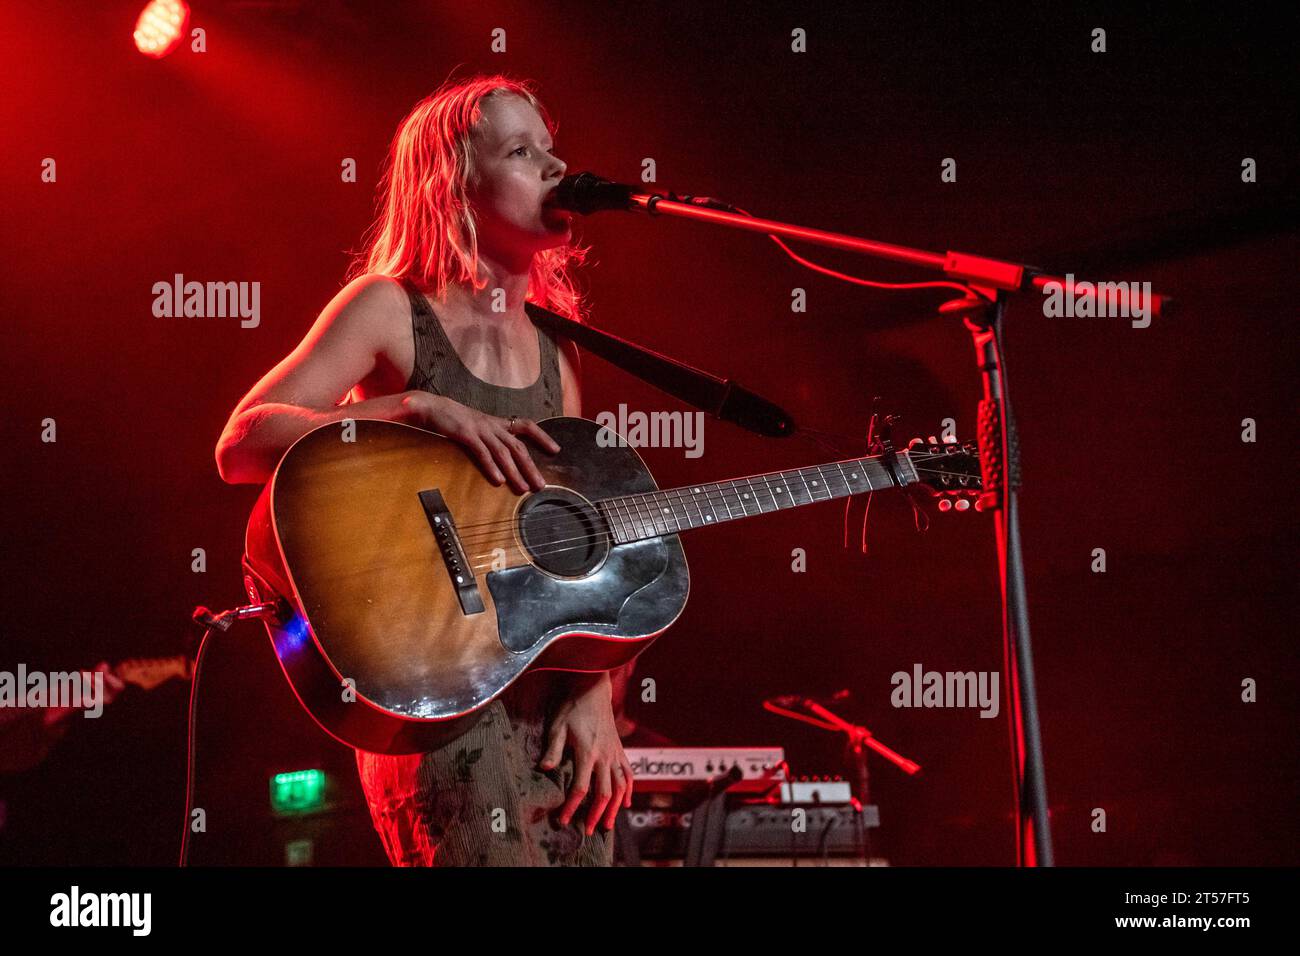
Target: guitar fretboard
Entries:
(634, 517)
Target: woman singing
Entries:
(432, 331)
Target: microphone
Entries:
(787, 700)
(587, 193)
(801, 700)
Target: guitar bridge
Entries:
(453, 555)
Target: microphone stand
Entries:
(858, 739)
(990, 282)
(211, 622)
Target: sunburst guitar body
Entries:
(419, 591)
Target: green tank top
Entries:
(439, 369)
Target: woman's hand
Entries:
(493, 441)
(585, 721)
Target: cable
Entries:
(189, 747)
(844, 277)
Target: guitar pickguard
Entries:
(640, 588)
(635, 592)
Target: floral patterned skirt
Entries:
(481, 799)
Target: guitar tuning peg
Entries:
(963, 504)
(933, 440)
(913, 443)
(945, 504)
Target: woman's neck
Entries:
(501, 300)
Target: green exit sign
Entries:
(298, 791)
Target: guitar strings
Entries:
(713, 489)
(631, 511)
(714, 495)
(584, 540)
(629, 503)
(639, 499)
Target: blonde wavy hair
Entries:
(425, 227)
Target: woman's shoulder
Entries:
(373, 315)
(374, 292)
(375, 307)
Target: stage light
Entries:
(161, 26)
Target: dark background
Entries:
(1125, 165)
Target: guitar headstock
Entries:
(950, 470)
(148, 673)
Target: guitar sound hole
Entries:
(563, 533)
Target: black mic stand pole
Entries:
(1000, 465)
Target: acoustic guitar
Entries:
(414, 591)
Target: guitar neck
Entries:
(634, 517)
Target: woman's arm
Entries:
(357, 330)
(304, 390)
(584, 721)
(255, 439)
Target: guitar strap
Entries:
(722, 398)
